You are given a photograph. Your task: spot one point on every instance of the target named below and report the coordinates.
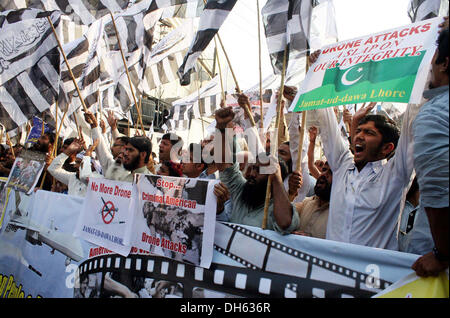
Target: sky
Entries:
(354, 18)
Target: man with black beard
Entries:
(248, 194)
(313, 211)
(135, 156)
(110, 158)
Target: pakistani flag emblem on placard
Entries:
(389, 66)
(389, 80)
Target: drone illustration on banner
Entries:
(108, 212)
(37, 234)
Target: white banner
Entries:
(174, 217)
(106, 214)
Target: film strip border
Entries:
(272, 256)
(228, 280)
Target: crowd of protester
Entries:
(382, 186)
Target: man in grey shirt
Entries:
(248, 194)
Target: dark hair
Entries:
(442, 47)
(68, 141)
(387, 127)
(175, 169)
(123, 139)
(173, 138)
(413, 188)
(283, 168)
(51, 137)
(196, 149)
(143, 144)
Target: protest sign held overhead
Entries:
(26, 171)
(105, 214)
(175, 217)
(36, 130)
(390, 66)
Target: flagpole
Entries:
(220, 71)
(76, 124)
(140, 107)
(198, 99)
(261, 122)
(56, 125)
(128, 75)
(301, 137)
(68, 66)
(275, 141)
(246, 109)
(1, 134)
(55, 147)
(43, 125)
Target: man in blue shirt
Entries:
(431, 160)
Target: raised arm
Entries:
(56, 167)
(283, 210)
(112, 121)
(312, 143)
(103, 152)
(223, 139)
(254, 141)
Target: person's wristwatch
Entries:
(439, 256)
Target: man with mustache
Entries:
(368, 184)
(313, 211)
(110, 158)
(248, 194)
(132, 157)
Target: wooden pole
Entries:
(128, 75)
(275, 141)
(220, 71)
(140, 107)
(199, 109)
(2, 131)
(302, 135)
(61, 123)
(43, 126)
(78, 127)
(261, 122)
(247, 109)
(68, 66)
(55, 146)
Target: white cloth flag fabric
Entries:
(12, 5)
(162, 62)
(286, 22)
(135, 27)
(29, 65)
(83, 56)
(205, 101)
(212, 18)
(83, 12)
(419, 10)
